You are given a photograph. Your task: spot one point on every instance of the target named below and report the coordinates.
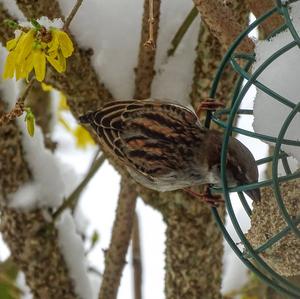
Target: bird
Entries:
(164, 147)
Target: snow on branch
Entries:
(72, 249)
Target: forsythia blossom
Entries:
(33, 47)
(82, 137)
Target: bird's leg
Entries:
(206, 196)
(209, 104)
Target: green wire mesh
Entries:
(251, 258)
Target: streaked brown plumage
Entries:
(164, 146)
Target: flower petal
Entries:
(20, 72)
(9, 68)
(39, 64)
(83, 137)
(55, 63)
(65, 43)
(11, 44)
(25, 46)
(53, 44)
(46, 87)
(28, 65)
(62, 61)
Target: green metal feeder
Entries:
(250, 256)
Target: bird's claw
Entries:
(207, 197)
(209, 104)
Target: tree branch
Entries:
(182, 30)
(222, 24)
(18, 110)
(137, 258)
(121, 234)
(259, 8)
(150, 41)
(144, 71)
(36, 9)
(71, 201)
(72, 14)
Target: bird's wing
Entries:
(149, 135)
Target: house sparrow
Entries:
(164, 147)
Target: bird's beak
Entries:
(254, 194)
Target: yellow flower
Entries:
(57, 63)
(60, 48)
(61, 41)
(9, 67)
(39, 64)
(33, 48)
(11, 44)
(83, 138)
(30, 121)
(46, 87)
(25, 46)
(63, 106)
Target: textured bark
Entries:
(36, 9)
(35, 250)
(194, 252)
(122, 228)
(12, 162)
(222, 23)
(261, 7)
(209, 55)
(6, 33)
(144, 75)
(33, 245)
(137, 259)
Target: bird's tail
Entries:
(87, 118)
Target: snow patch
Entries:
(46, 22)
(52, 180)
(174, 75)
(13, 9)
(72, 248)
(112, 30)
(282, 76)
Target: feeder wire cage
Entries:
(251, 256)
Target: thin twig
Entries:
(150, 43)
(137, 258)
(287, 2)
(121, 234)
(95, 271)
(144, 72)
(18, 110)
(182, 30)
(71, 201)
(72, 14)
